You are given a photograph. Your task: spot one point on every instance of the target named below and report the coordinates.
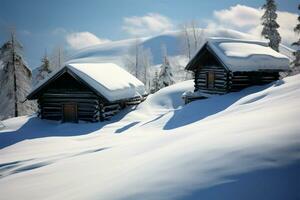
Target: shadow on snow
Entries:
(269, 184)
(200, 109)
(38, 128)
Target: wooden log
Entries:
(46, 114)
(112, 112)
(220, 81)
(132, 102)
(111, 106)
(86, 109)
(213, 91)
(70, 95)
(61, 100)
(87, 112)
(240, 77)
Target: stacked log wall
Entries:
(241, 80)
(220, 82)
(52, 101)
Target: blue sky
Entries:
(44, 24)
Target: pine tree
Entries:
(270, 25)
(44, 70)
(166, 75)
(15, 80)
(296, 62)
(155, 83)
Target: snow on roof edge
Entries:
(88, 80)
(272, 60)
(113, 88)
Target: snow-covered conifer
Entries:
(15, 80)
(44, 70)
(270, 25)
(155, 83)
(296, 62)
(166, 73)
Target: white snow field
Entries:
(243, 145)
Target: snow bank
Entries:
(242, 145)
(248, 55)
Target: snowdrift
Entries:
(242, 145)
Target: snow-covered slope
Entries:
(242, 145)
(115, 51)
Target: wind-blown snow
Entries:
(247, 55)
(242, 145)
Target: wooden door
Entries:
(70, 112)
(210, 79)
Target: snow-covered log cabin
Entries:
(225, 65)
(87, 91)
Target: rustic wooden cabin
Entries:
(227, 65)
(88, 92)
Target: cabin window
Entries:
(210, 79)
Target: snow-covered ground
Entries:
(241, 145)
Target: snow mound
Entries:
(169, 97)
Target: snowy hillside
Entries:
(117, 51)
(114, 51)
(242, 145)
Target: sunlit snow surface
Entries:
(248, 55)
(241, 145)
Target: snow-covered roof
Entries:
(247, 55)
(110, 80)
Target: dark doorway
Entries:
(210, 79)
(70, 112)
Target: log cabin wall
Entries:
(230, 81)
(208, 67)
(211, 79)
(241, 80)
(67, 90)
